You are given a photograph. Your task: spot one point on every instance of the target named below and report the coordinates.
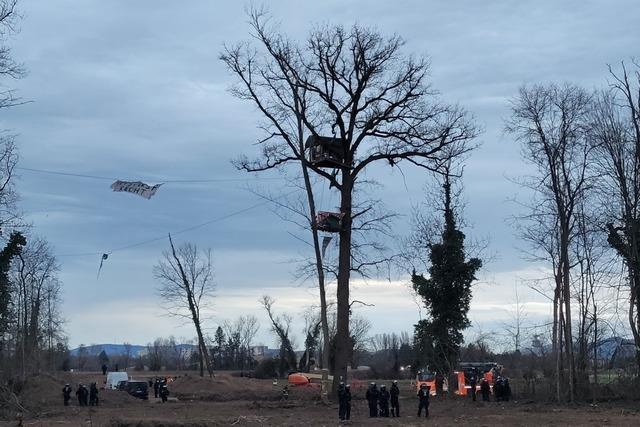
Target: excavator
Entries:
(460, 380)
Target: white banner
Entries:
(137, 187)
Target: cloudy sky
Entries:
(135, 90)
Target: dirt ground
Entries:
(226, 400)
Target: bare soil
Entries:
(226, 400)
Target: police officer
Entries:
(104, 369)
(93, 395)
(506, 390)
(383, 400)
(423, 399)
(164, 392)
(85, 395)
(66, 394)
(497, 389)
(395, 403)
(473, 382)
(156, 387)
(347, 402)
(372, 398)
(79, 394)
(485, 389)
(342, 394)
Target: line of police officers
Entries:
(379, 399)
(86, 397)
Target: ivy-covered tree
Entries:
(11, 250)
(446, 293)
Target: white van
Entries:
(113, 378)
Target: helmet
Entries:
(348, 386)
(423, 385)
(383, 386)
(372, 383)
(395, 381)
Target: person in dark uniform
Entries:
(164, 393)
(347, 403)
(395, 402)
(439, 380)
(66, 394)
(497, 389)
(372, 398)
(104, 369)
(473, 382)
(79, 394)
(156, 387)
(485, 389)
(93, 395)
(85, 395)
(383, 401)
(506, 390)
(150, 383)
(342, 394)
(423, 399)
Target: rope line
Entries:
(181, 231)
(104, 178)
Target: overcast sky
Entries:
(135, 90)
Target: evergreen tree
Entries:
(446, 294)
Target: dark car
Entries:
(139, 389)
(122, 385)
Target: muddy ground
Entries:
(236, 401)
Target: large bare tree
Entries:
(550, 122)
(186, 286)
(361, 88)
(615, 134)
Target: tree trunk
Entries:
(343, 339)
(566, 287)
(557, 337)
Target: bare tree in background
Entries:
(354, 84)
(281, 325)
(615, 134)
(311, 332)
(36, 293)
(243, 330)
(550, 122)
(186, 278)
(8, 151)
(515, 328)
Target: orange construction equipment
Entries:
(298, 379)
(486, 370)
(428, 378)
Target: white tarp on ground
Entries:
(137, 187)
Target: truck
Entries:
(113, 378)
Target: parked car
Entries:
(139, 389)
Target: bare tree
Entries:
(615, 134)
(280, 326)
(186, 278)
(550, 122)
(515, 328)
(356, 85)
(243, 330)
(35, 279)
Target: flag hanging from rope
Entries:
(325, 243)
(137, 187)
